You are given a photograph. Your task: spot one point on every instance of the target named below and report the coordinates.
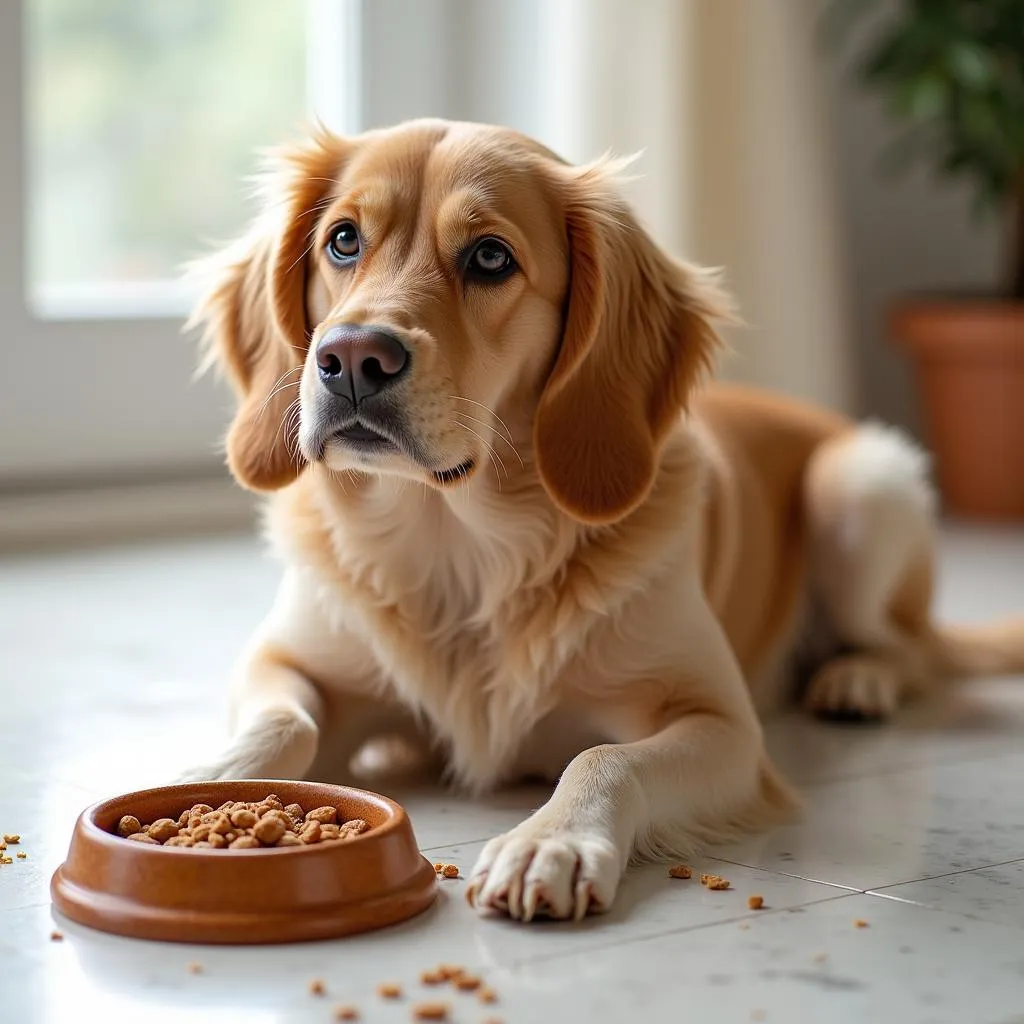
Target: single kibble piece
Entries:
(680, 871)
(268, 830)
(201, 832)
(56, 936)
(273, 800)
(438, 868)
(6, 860)
(330, 831)
(12, 837)
(860, 923)
(714, 882)
(388, 990)
(324, 815)
(310, 832)
(243, 818)
(432, 978)
(466, 982)
(141, 837)
(200, 809)
(487, 995)
(218, 821)
(202, 843)
(180, 840)
(289, 839)
(3, 845)
(294, 811)
(755, 902)
(449, 971)
(430, 1011)
(356, 825)
(245, 843)
(162, 829)
(183, 819)
(22, 856)
(317, 987)
(217, 841)
(227, 805)
(346, 1013)
(194, 968)
(128, 826)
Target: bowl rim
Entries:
(396, 815)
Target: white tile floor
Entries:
(110, 673)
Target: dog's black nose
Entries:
(356, 362)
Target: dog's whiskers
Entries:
(489, 448)
(506, 436)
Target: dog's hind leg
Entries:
(870, 511)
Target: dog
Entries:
(518, 523)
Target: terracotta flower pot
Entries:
(969, 359)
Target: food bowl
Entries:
(289, 894)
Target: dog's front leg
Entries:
(700, 774)
(276, 716)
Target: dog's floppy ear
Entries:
(638, 333)
(254, 312)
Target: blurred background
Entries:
(130, 129)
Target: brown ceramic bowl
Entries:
(243, 896)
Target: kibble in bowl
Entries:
(244, 825)
(243, 862)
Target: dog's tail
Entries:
(965, 652)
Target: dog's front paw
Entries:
(537, 871)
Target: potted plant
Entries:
(953, 72)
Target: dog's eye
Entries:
(343, 242)
(490, 258)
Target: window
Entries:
(143, 121)
(130, 129)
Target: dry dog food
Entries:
(466, 982)
(12, 837)
(317, 987)
(388, 990)
(755, 902)
(680, 871)
(56, 936)
(194, 967)
(487, 995)
(860, 923)
(447, 870)
(430, 1011)
(714, 882)
(346, 1013)
(237, 825)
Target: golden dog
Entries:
(511, 525)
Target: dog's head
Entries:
(404, 288)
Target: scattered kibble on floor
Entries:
(755, 902)
(12, 837)
(317, 987)
(430, 1011)
(194, 967)
(346, 1013)
(680, 871)
(388, 990)
(714, 882)
(860, 923)
(487, 995)
(56, 936)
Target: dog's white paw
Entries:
(535, 871)
(854, 687)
